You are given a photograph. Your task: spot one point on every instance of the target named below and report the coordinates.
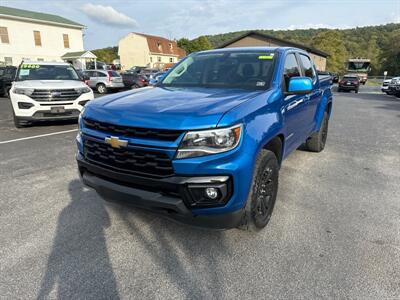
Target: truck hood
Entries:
(49, 84)
(168, 108)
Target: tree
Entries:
(106, 54)
(185, 44)
(390, 55)
(199, 44)
(331, 42)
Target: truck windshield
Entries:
(361, 66)
(46, 72)
(235, 69)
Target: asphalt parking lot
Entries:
(335, 231)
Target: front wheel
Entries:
(135, 86)
(19, 123)
(264, 188)
(316, 142)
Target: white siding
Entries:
(22, 43)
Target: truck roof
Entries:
(52, 63)
(238, 49)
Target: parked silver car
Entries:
(103, 80)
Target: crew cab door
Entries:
(295, 107)
(314, 97)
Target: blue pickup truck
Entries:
(205, 145)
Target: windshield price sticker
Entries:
(24, 72)
(269, 56)
(30, 66)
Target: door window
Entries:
(308, 67)
(291, 69)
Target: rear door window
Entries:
(113, 74)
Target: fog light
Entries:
(212, 193)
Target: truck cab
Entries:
(205, 145)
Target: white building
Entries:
(28, 35)
(144, 50)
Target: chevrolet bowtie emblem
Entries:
(115, 142)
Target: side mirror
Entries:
(299, 85)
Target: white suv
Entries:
(47, 91)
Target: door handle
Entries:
(294, 104)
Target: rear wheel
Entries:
(101, 88)
(262, 197)
(316, 142)
(356, 91)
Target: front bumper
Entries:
(42, 110)
(167, 196)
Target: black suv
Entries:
(7, 75)
(349, 83)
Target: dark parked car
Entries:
(349, 83)
(397, 89)
(394, 82)
(134, 80)
(7, 75)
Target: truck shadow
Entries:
(79, 264)
(189, 256)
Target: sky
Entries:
(107, 21)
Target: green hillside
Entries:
(378, 43)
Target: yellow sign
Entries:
(271, 56)
(30, 66)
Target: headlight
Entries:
(200, 143)
(83, 90)
(22, 91)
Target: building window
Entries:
(8, 61)
(40, 59)
(66, 40)
(159, 58)
(159, 46)
(4, 35)
(171, 59)
(38, 40)
(170, 46)
(151, 59)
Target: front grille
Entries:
(54, 95)
(133, 132)
(128, 160)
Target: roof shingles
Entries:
(38, 16)
(163, 46)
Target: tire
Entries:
(339, 90)
(316, 142)
(101, 88)
(264, 188)
(135, 86)
(7, 92)
(356, 91)
(19, 123)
